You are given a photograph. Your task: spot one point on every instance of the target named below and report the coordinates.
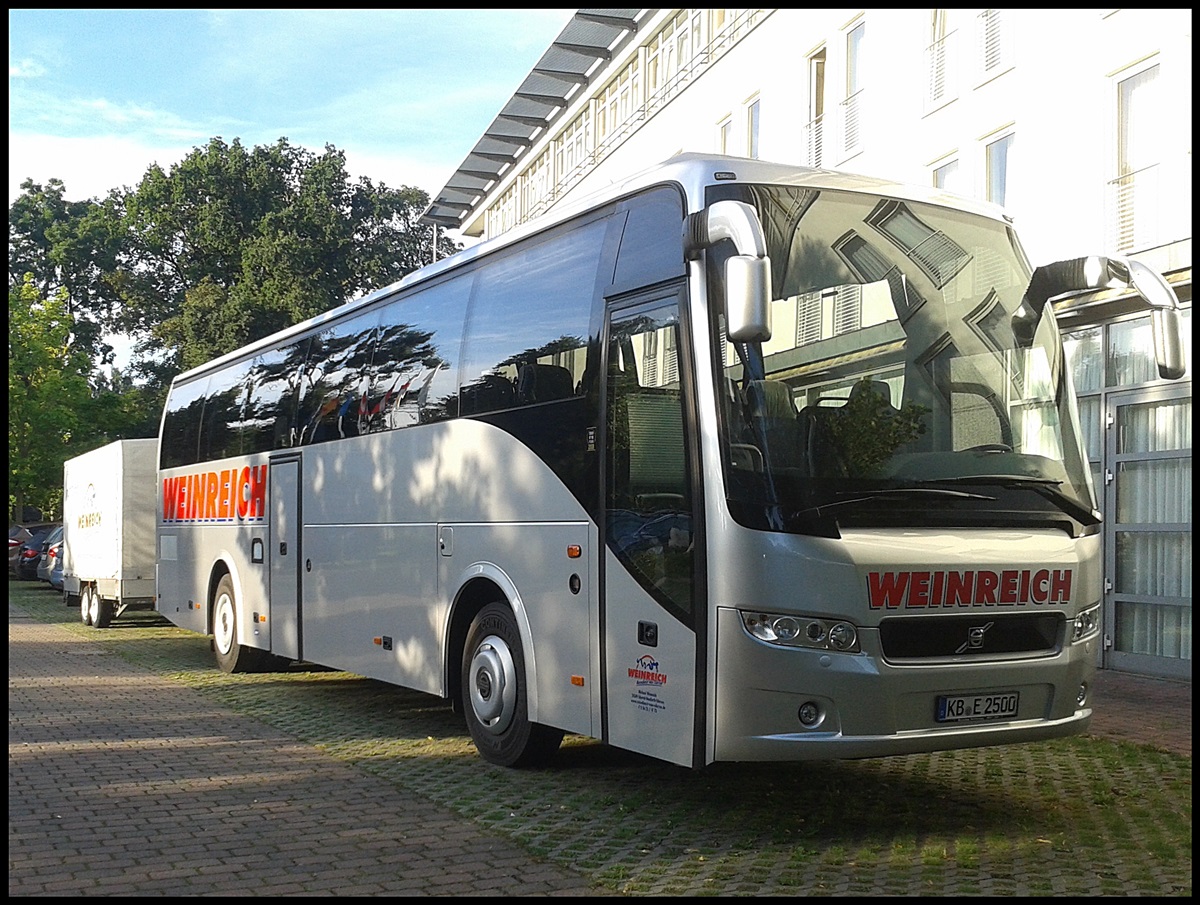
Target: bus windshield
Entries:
(894, 390)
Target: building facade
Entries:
(1078, 122)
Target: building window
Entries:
(725, 135)
(847, 309)
(948, 177)
(999, 153)
(995, 44)
(1134, 192)
(941, 63)
(537, 185)
(574, 147)
(808, 318)
(816, 106)
(851, 134)
(752, 129)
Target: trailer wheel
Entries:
(232, 656)
(85, 606)
(100, 611)
(495, 700)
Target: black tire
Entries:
(85, 605)
(232, 655)
(101, 610)
(494, 697)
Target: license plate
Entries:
(995, 706)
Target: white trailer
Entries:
(108, 530)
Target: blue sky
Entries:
(97, 96)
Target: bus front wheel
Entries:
(494, 696)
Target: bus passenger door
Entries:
(651, 599)
(284, 555)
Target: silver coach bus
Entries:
(738, 462)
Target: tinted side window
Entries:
(220, 429)
(414, 376)
(528, 327)
(181, 424)
(335, 380)
(652, 244)
(271, 402)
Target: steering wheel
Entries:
(989, 448)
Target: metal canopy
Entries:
(568, 64)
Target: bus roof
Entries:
(690, 171)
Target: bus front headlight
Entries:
(802, 631)
(1086, 624)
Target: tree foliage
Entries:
(48, 395)
(225, 247)
(234, 244)
(72, 246)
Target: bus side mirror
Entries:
(1097, 272)
(1164, 318)
(747, 299)
(747, 272)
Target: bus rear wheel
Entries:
(85, 606)
(232, 655)
(494, 696)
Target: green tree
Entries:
(47, 391)
(225, 247)
(233, 244)
(74, 246)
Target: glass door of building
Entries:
(1147, 503)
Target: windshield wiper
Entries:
(890, 494)
(1047, 488)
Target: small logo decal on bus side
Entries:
(647, 677)
(646, 672)
(925, 590)
(230, 495)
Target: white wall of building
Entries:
(1054, 90)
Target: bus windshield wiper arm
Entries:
(891, 494)
(1048, 488)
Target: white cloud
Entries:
(26, 69)
(87, 166)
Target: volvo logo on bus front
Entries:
(974, 638)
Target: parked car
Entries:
(56, 570)
(51, 547)
(30, 554)
(18, 535)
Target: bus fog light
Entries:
(1082, 695)
(810, 714)
(843, 636)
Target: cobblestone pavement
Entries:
(124, 782)
(121, 783)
